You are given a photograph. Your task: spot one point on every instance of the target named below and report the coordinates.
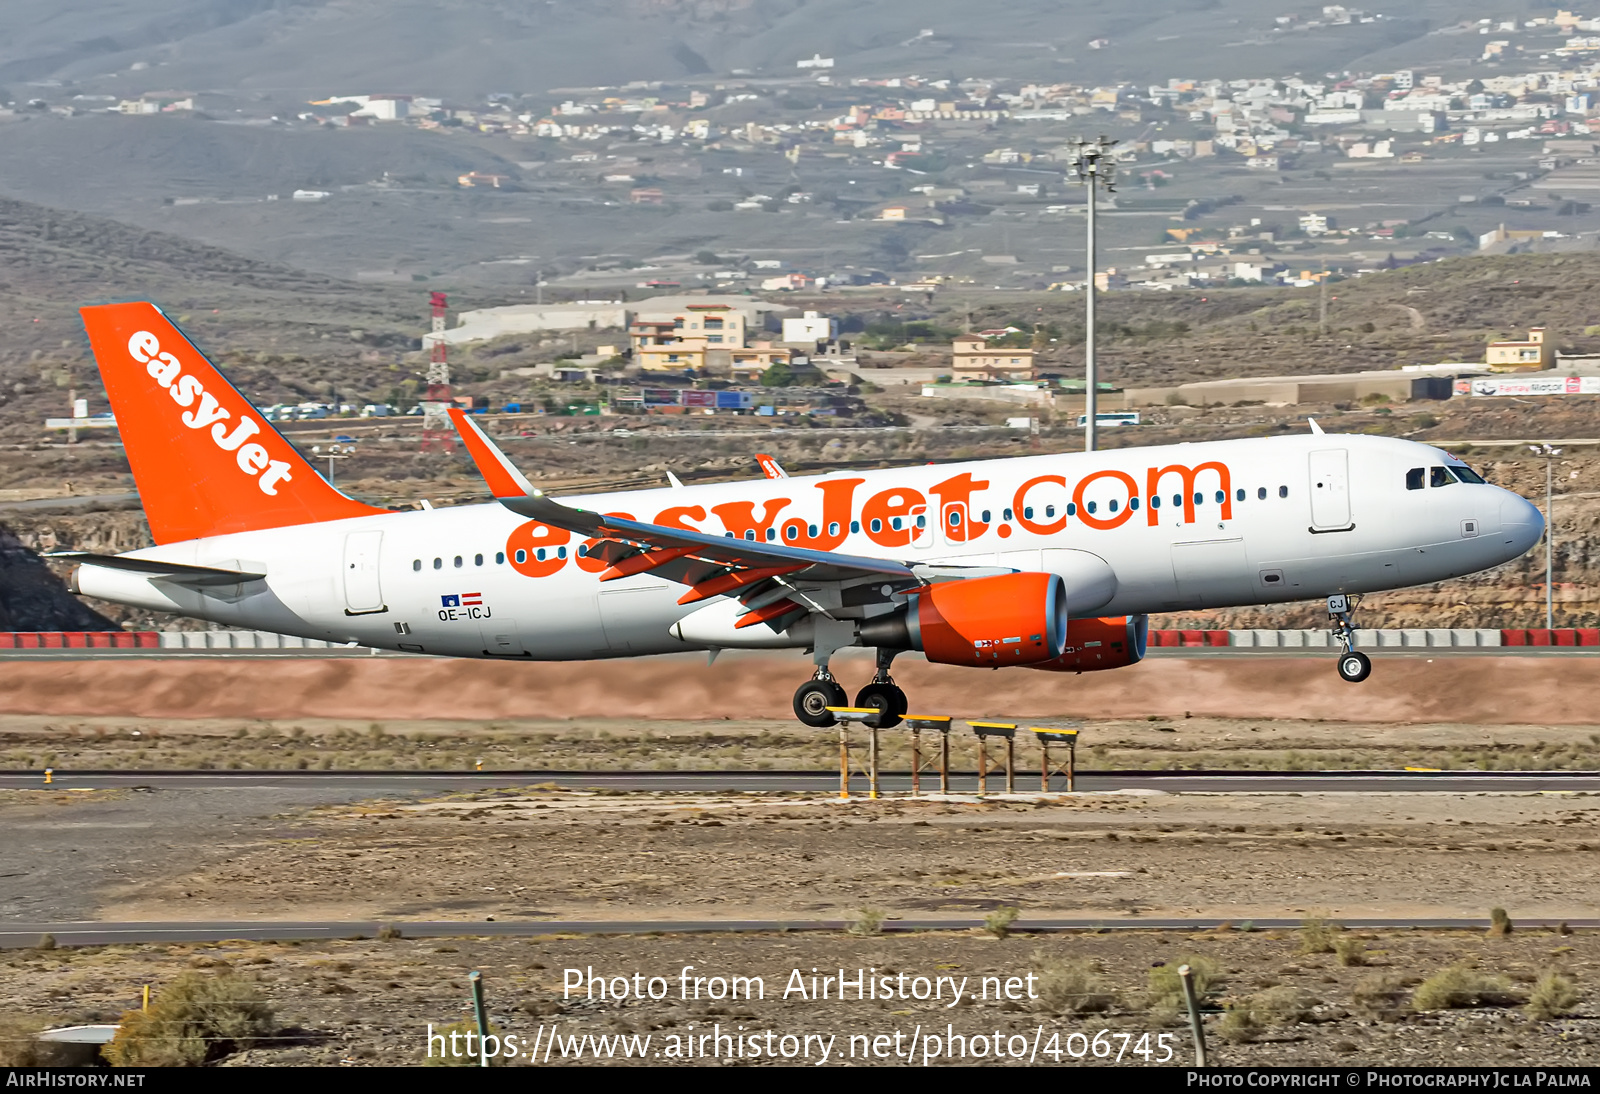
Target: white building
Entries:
(812, 327)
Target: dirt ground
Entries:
(544, 854)
(1492, 690)
(33, 742)
(372, 1002)
(553, 854)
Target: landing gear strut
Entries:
(883, 694)
(1353, 666)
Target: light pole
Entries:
(1095, 168)
(1549, 455)
(334, 452)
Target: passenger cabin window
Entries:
(1414, 478)
(1238, 495)
(438, 564)
(1440, 476)
(458, 562)
(416, 564)
(500, 557)
(1283, 491)
(1467, 474)
(477, 560)
(1261, 493)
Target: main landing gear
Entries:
(813, 698)
(1353, 665)
(816, 695)
(883, 694)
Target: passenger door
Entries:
(1330, 490)
(363, 592)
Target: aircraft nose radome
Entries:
(1521, 520)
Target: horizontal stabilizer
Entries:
(176, 572)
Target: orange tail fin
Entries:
(206, 462)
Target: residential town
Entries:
(970, 181)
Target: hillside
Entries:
(298, 331)
(312, 48)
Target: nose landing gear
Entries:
(1354, 666)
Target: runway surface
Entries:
(1160, 653)
(380, 783)
(89, 933)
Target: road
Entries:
(74, 501)
(382, 783)
(90, 933)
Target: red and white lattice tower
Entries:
(437, 432)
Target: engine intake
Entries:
(1008, 619)
(1094, 644)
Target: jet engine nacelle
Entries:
(1094, 644)
(1008, 619)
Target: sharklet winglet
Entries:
(501, 475)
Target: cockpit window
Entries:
(1467, 474)
(1416, 478)
(1440, 476)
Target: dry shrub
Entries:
(19, 1045)
(1461, 986)
(1379, 996)
(1499, 923)
(998, 922)
(1554, 995)
(868, 921)
(194, 1019)
(1164, 993)
(1350, 951)
(1317, 935)
(1274, 1007)
(1072, 985)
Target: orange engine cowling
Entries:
(1009, 619)
(1094, 644)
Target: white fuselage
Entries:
(1237, 522)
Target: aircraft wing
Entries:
(724, 550)
(775, 583)
(176, 572)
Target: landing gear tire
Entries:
(886, 698)
(1354, 666)
(812, 700)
